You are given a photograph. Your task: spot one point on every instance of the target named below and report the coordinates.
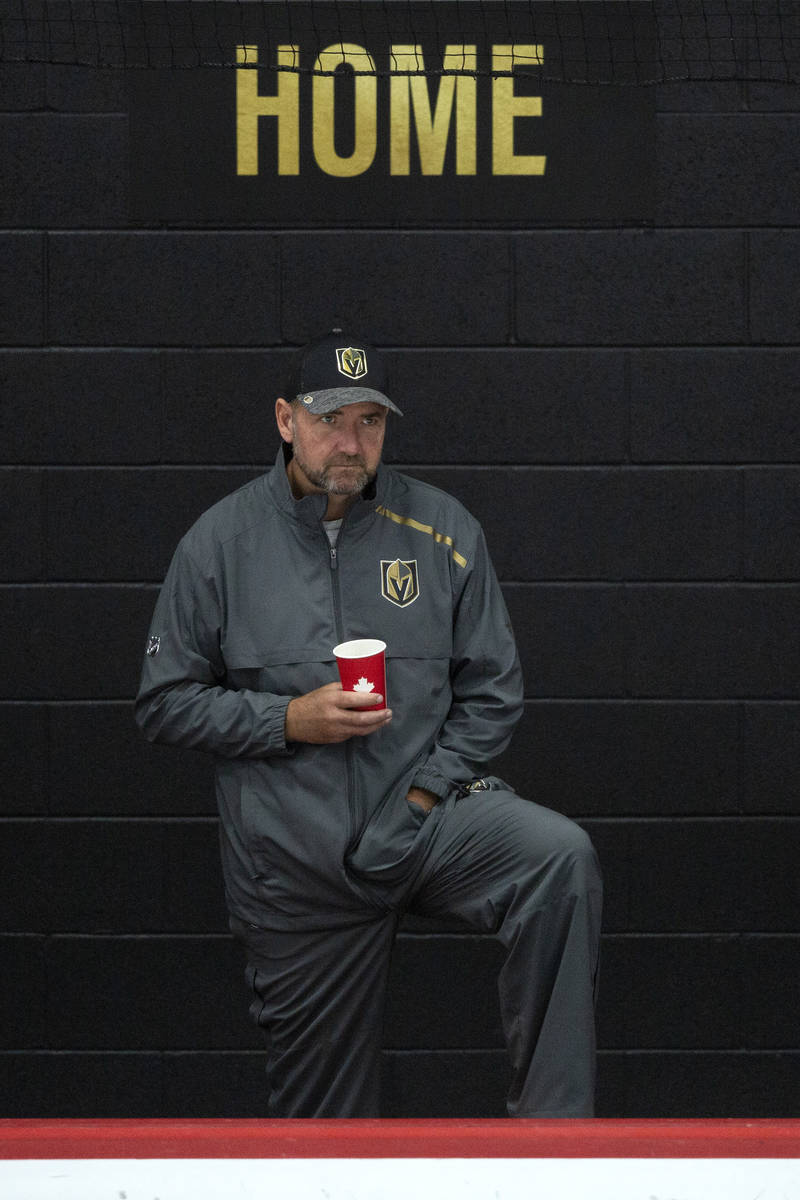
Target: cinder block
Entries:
(699, 876)
(125, 525)
(21, 525)
(679, 524)
(203, 1084)
(712, 642)
(101, 765)
(194, 900)
(728, 169)
(21, 307)
(164, 289)
(23, 994)
(139, 993)
(544, 524)
(196, 1085)
(702, 96)
(73, 642)
(696, 1085)
(445, 1084)
(668, 993)
(774, 284)
(430, 976)
(571, 639)
(772, 966)
(771, 520)
(114, 876)
(695, 42)
(626, 758)
(715, 406)
(82, 877)
(219, 406)
(22, 86)
(773, 97)
(616, 287)
(771, 759)
(69, 171)
(514, 405)
(80, 407)
(76, 89)
(52, 1084)
(401, 289)
(23, 758)
(773, 31)
(699, 993)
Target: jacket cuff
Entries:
(276, 729)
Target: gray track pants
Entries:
(507, 867)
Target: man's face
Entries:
(337, 452)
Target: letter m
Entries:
(409, 93)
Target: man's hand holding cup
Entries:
(355, 707)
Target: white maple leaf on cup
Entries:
(363, 685)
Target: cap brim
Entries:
(329, 400)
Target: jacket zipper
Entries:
(337, 613)
(348, 747)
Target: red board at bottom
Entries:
(399, 1139)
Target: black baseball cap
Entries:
(337, 370)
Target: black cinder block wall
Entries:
(619, 406)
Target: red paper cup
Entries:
(362, 666)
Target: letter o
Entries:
(366, 111)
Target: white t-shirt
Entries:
(332, 529)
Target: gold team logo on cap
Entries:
(351, 362)
(399, 581)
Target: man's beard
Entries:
(328, 480)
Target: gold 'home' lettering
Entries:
(508, 107)
(409, 102)
(432, 127)
(366, 110)
(284, 104)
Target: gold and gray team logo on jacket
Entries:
(399, 581)
(351, 362)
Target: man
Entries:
(337, 816)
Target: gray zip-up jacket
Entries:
(253, 603)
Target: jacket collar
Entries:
(311, 509)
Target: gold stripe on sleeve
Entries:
(437, 537)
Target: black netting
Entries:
(581, 41)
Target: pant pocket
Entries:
(393, 840)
